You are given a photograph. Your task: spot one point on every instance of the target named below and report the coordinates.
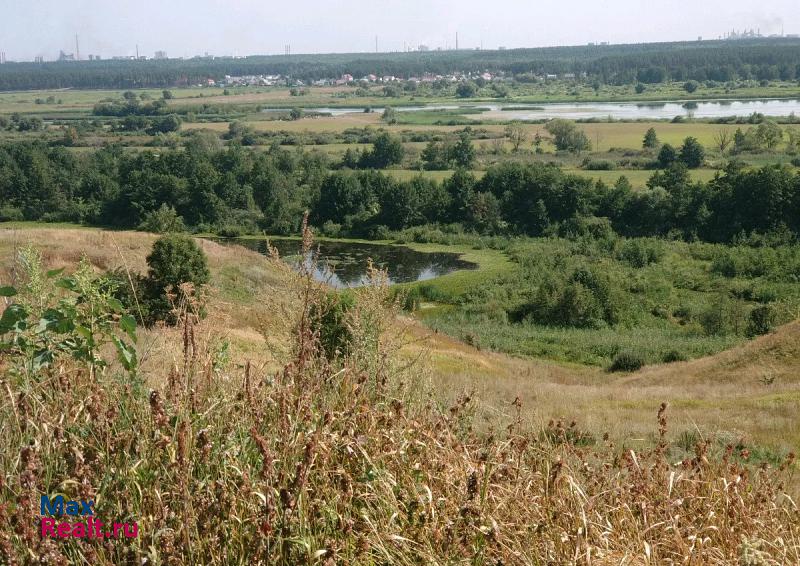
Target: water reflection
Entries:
(655, 110)
(343, 264)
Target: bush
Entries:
(131, 289)
(579, 307)
(722, 317)
(583, 301)
(692, 153)
(331, 229)
(627, 361)
(598, 165)
(673, 356)
(230, 231)
(567, 136)
(410, 299)
(641, 252)
(667, 156)
(330, 319)
(466, 90)
(748, 262)
(762, 321)
(162, 221)
(10, 214)
(380, 232)
(175, 259)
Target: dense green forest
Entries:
(761, 59)
(238, 189)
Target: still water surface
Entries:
(615, 110)
(343, 264)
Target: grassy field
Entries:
(279, 97)
(603, 136)
(637, 178)
(630, 135)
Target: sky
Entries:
(184, 28)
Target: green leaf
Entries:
(55, 321)
(128, 324)
(42, 358)
(7, 291)
(54, 273)
(83, 331)
(13, 318)
(115, 305)
(67, 283)
(125, 354)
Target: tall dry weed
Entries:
(337, 460)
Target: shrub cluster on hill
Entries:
(585, 294)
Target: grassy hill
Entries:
(749, 392)
(413, 448)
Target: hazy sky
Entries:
(242, 27)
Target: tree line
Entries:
(761, 59)
(236, 190)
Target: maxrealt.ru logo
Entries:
(87, 527)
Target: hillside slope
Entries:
(751, 392)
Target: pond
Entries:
(666, 110)
(344, 264)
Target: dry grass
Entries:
(345, 462)
(239, 275)
(752, 391)
(322, 124)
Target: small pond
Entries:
(343, 264)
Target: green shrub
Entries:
(411, 299)
(174, 260)
(582, 301)
(331, 229)
(131, 289)
(578, 307)
(380, 232)
(627, 361)
(641, 252)
(330, 319)
(177, 259)
(432, 293)
(230, 231)
(723, 317)
(10, 214)
(744, 261)
(762, 320)
(598, 165)
(52, 318)
(673, 356)
(163, 221)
